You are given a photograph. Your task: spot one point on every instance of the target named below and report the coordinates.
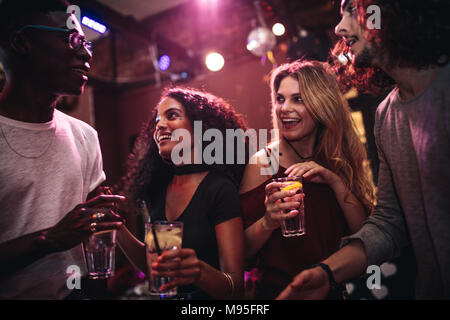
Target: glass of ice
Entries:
(99, 251)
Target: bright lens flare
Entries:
(252, 45)
(278, 29)
(214, 61)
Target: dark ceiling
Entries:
(188, 29)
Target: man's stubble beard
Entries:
(364, 59)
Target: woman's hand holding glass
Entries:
(278, 210)
(181, 264)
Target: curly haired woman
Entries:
(204, 197)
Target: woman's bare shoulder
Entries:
(254, 173)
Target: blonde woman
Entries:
(317, 141)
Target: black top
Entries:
(190, 168)
(216, 200)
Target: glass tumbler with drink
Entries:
(162, 236)
(295, 226)
(100, 247)
(99, 251)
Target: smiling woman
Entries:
(293, 118)
(171, 115)
(319, 143)
(204, 197)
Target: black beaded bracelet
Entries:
(337, 290)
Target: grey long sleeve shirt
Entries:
(413, 199)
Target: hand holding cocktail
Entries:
(182, 265)
(163, 240)
(284, 206)
(273, 217)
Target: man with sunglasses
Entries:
(49, 162)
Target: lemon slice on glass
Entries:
(294, 185)
(166, 240)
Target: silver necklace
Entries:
(29, 157)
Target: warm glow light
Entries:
(278, 29)
(214, 61)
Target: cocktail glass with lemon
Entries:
(169, 236)
(295, 226)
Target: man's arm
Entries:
(347, 263)
(20, 252)
(384, 233)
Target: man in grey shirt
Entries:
(412, 133)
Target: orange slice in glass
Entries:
(294, 185)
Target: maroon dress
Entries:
(280, 259)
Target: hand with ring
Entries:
(98, 216)
(92, 227)
(86, 218)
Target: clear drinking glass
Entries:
(169, 236)
(295, 226)
(99, 252)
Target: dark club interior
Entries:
(245, 150)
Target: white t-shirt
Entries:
(46, 169)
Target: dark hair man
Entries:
(412, 129)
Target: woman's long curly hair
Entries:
(338, 147)
(147, 172)
(414, 33)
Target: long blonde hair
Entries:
(338, 147)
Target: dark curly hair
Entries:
(147, 171)
(415, 33)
